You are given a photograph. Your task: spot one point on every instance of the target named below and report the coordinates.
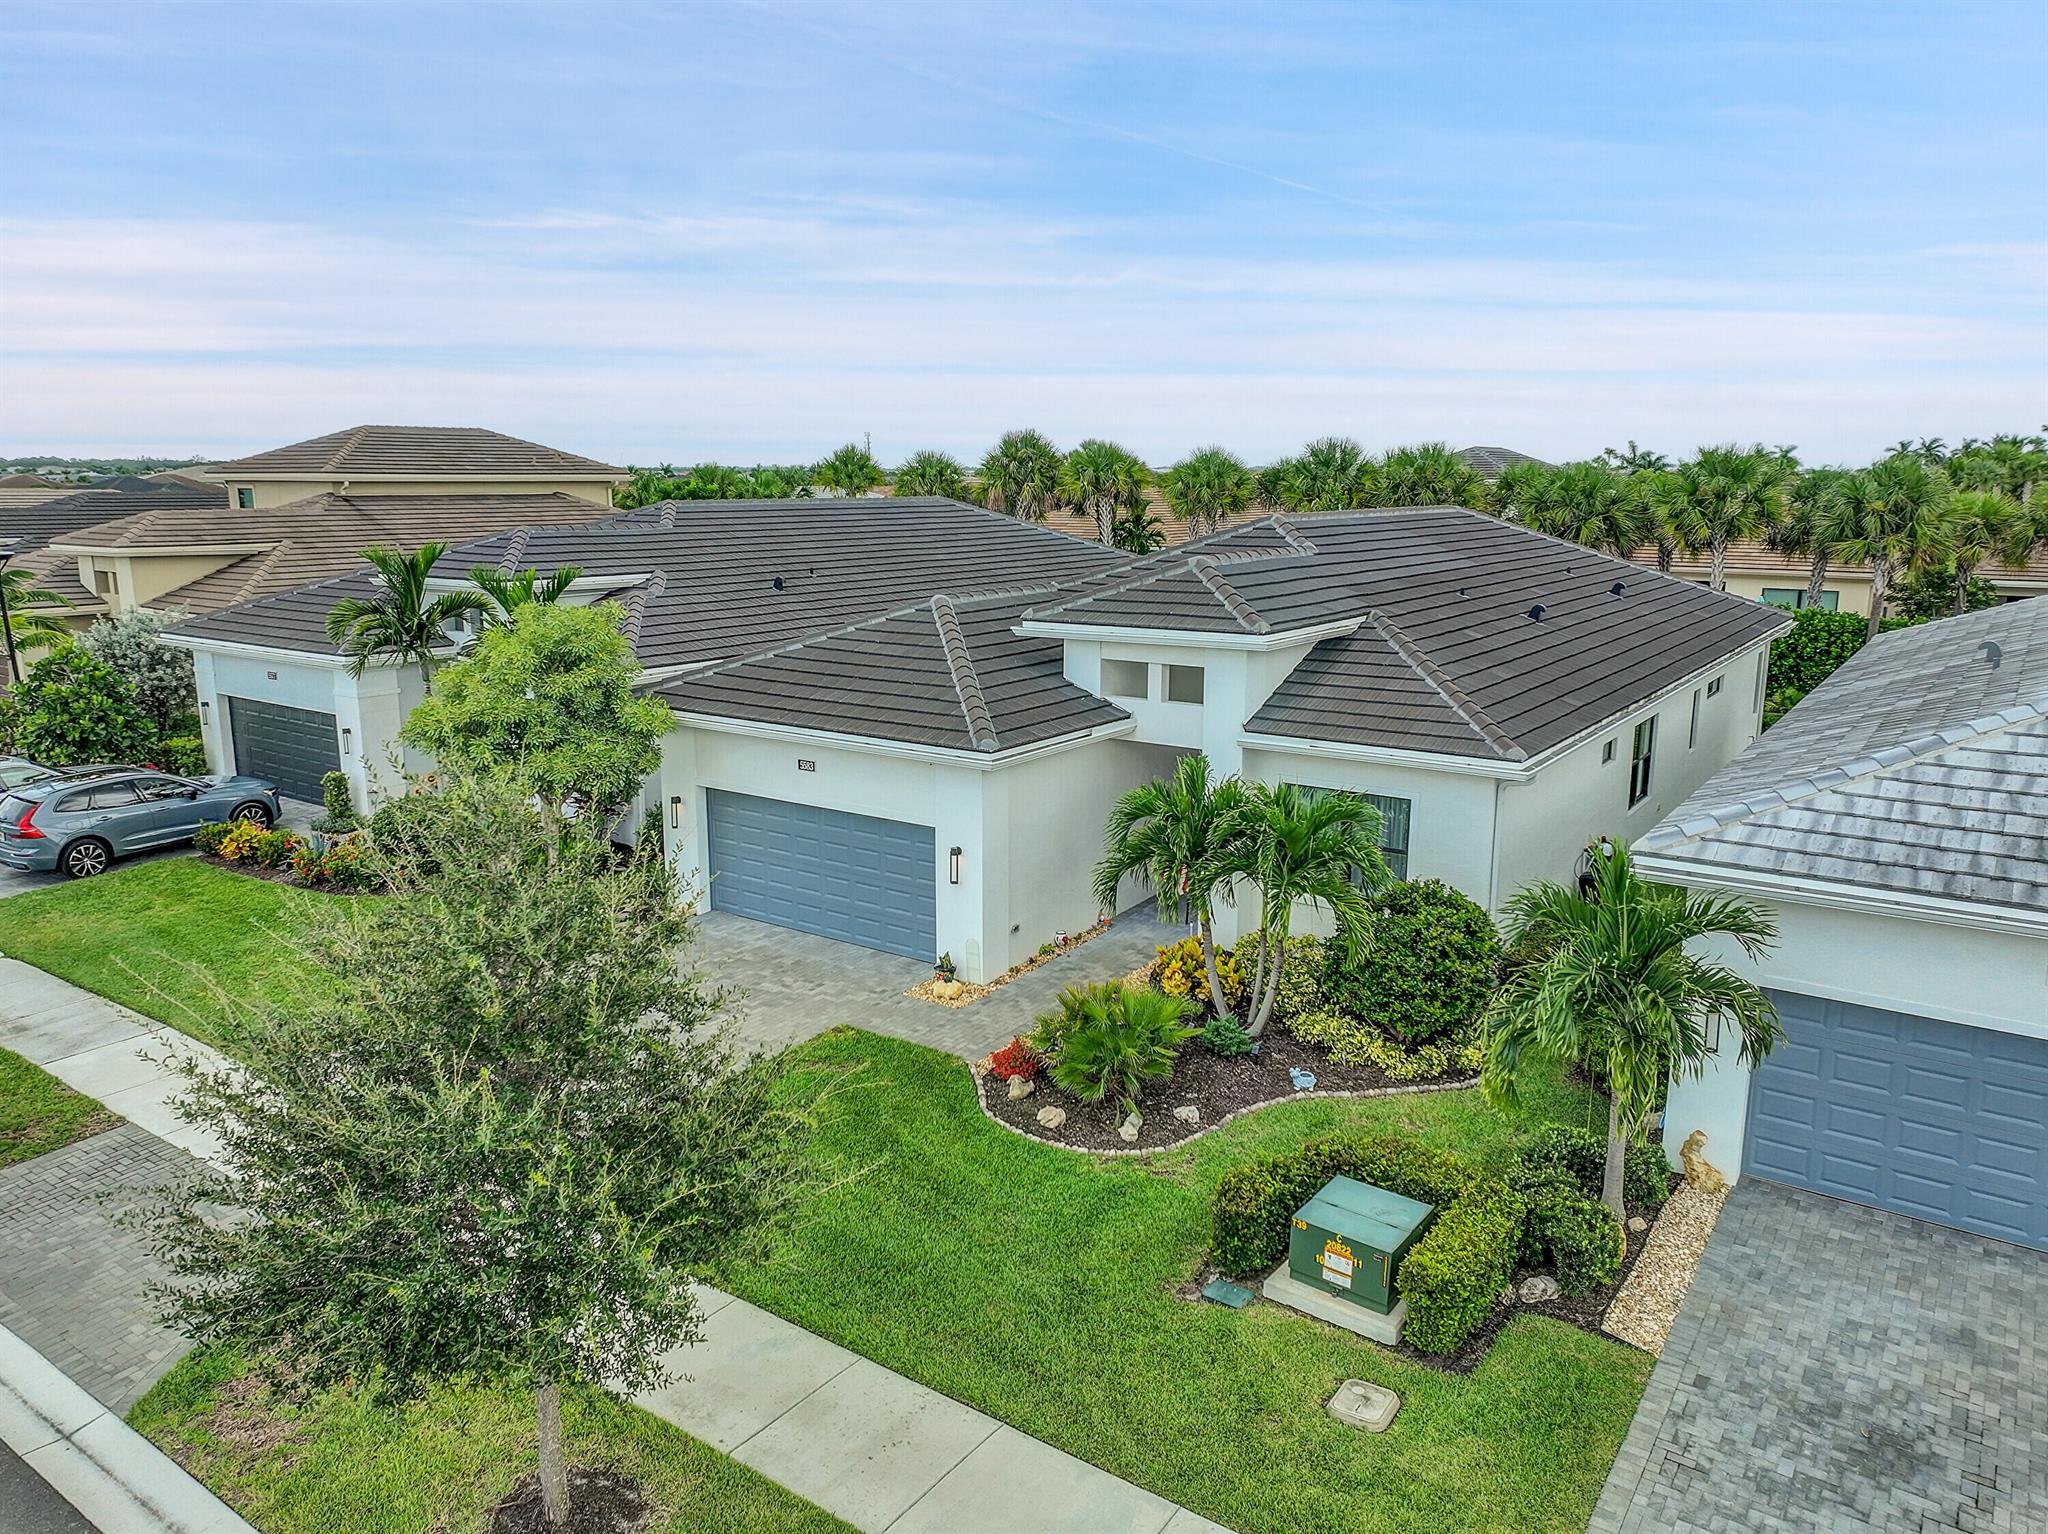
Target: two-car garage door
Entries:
(850, 877)
(1924, 1117)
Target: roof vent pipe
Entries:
(776, 583)
(1616, 589)
(1992, 653)
(1536, 612)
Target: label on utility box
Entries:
(1337, 1263)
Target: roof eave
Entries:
(1209, 639)
(1835, 895)
(876, 746)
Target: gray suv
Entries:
(79, 824)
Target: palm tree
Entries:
(1020, 476)
(1897, 524)
(2011, 463)
(1586, 502)
(1616, 988)
(23, 626)
(1101, 480)
(1173, 836)
(1301, 848)
(402, 622)
(1986, 524)
(852, 470)
(1726, 493)
(1329, 474)
(931, 473)
(1635, 460)
(1429, 474)
(1819, 510)
(508, 593)
(1137, 531)
(1207, 486)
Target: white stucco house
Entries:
(1895, 824)
(902, 722)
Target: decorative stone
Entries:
(1638, 1224)
(1700, 1173)
(1021, 1087)
(948, 990)
(1535, 1291)
(1362, 1404)
(1051, 1118)
(1188, 1113)
(1127, 1131)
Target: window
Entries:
(1607, 753)
(1184, 684)
(245, 497)
(113, 796)
(163, 788)
(1794, 597)
(103, 582)
(1692, 730)
(1639, 753)
(1714, 688)
(1125, 679)
(1395, 814)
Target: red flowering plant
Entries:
(1015, 1059)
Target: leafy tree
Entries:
(1815, 648)
(1986, 524)
(1329, 474)
(1206, 487)
(546, 703)
(1725, 493)
(1102, 480)
(490, 1138)
(1898, 523)
(75, 708)
(509, 593)
(160, 677)
(27, 623)
(403, 621)
(1020, 476)
(1615, 988)
(1587, 503)
(1137, 531)
(1174, 836)
(931, 473)
(1429, 474)
(1933, 592)
(850, 471)
(1296, 848)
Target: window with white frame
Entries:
(1642, 746)
(1184, 684)
(1126, 679)
(1396, 817)
(1714, 688)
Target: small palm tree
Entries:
(1635, 460)
(1207, 486)
(1615, 988)
(402, 622)
(1727, 493)
(1586, 502)
(1986, 524)
(1898, 524)
(1819, 508)
(1429, 474)
(1173, 836)
(1101, 480)
(1020, 476)
(850, 471)
(1329, 474)
(1297, 848)
(508, 593)
(1137, 531)
(931, 473)
(25, 627)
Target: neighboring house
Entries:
(903, 722)
(374, 461)
(1491, 461)
(1758, 571)
(1896, 825)
(30, 528)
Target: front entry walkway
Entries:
(1839, 1368)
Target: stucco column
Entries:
(971, 812)
(680, 802)
(212, 726)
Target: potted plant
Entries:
(945, 969)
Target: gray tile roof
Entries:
(45, 522)
(1489, 461)
(454, 451)
(1919, 768)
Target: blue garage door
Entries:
(1926, 1118)
(850, 877)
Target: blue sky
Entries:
(754, 231)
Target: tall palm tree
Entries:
(24, 627)
(508, 593)
(1207, 486)
(851, 470)
(1329, 474)
(1586, 502)
(1297, 848)
(1173, 836)
(1020, 476)
(2008, 462)
(402, 622)
(1986, 524)
(1635, 460)
(1819, 513)
(1729, 492)
(931, 473)
(1101, 480)
(1429, 474)
(1616, 988)
(1898, 524)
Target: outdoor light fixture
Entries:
(675, 812)
(347, 736)
(953, 866)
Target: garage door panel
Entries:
(292, 747)
(1929, 1118)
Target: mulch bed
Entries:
(1216, 1086)
(600, 1502)
(282, 874)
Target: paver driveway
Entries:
(1838, 1368)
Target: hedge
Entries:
(1579, 1156)
(1424, 966)
(1819, 642)
(1576, 1238)
(1450, 1278)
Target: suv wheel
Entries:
(256, 814)
(83, 859)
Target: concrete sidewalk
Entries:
(879, 1450)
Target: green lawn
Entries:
(39, 1113)
(130, 935)
(336, 1463)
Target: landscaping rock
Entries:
(1127, 1131)
(1022, 1086)
(1188, 1113)
(1051, 1118)
(1537, 1290)
(1648, 1303)
(1638, 1224)
(948, 990)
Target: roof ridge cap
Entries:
(1461, 703)
(353, 441)
(1203, 567)
(1296, 539)
(638, 598)
(981, 728)
(263, 561)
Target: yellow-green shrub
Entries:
(1351, 1042)
(1179, 971)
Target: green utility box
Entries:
(1348, 1241)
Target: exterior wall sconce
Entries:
(347, 739)
(675, 812)
(953, 866)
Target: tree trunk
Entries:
(1617, 1161)
(554, 1473)
(1209, 964)
(1963, 574)
(1666, 553)
(1816, 577)
(1880, 588)
(1255, 1007)
(1717, 566)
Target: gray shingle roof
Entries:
(1918, 768)
(454, 451)
(1490, 461)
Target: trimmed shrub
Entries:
(1112, 1057)
(1819, 642)
(337, 806)
(1578, 1157)
(1178, 971)
(1451, 1277)
(1351, 1042)
(1226, 1037)
(1424, 966)
(210, 835)
(184, 755)
(1575, 1237)
(1301, 980)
